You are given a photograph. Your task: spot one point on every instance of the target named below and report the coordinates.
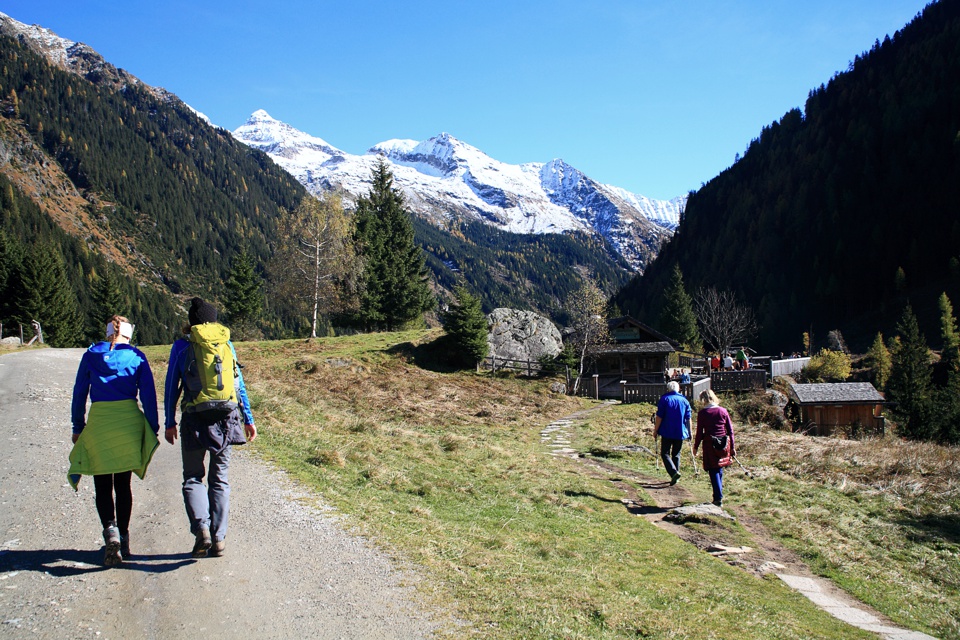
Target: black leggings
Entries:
(106, 485)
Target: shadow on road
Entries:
(62, 563)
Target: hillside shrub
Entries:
(760, 409)
(827, 366)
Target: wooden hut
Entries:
(824, 407)
(639, 355)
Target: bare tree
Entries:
(723, 321)
(587, 307)
(315, 266)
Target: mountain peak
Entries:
(260, 115)
(444, 177)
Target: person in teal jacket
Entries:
(117, 438)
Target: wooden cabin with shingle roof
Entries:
(638, 355)
(825, 408)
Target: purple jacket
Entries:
(714, 421)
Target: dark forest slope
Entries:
(813, 224)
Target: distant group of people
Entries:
(714, 435)
(738, 362)
(117, 438)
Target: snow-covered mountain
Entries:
(443, 178)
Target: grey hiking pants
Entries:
(207, 506)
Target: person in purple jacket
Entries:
(715, 431)
(117, 437)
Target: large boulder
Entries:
(522, 335)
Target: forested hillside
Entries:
(168, 198)
(836, 217)
(520, 271)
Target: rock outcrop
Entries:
(522, 335)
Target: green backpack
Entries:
(211, 374)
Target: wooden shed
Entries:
(824, 407)
(638, 355)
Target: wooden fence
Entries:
(494, 364)
(738, 380)
(651, 393)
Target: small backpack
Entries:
(211, 373)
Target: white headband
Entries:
(126, 330)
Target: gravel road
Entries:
(290, 569)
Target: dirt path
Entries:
(766, 555)
(290, 569)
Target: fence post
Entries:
(596, 386)
(623, 391)
(529, 369)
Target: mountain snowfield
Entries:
(443, 178)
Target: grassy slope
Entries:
(880, 517)
(447, 470)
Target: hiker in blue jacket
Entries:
(201, 432)
(673, 426)
(117, 437)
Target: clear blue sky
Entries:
(655, 96)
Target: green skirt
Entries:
(117, 438)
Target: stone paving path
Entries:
(556, 436)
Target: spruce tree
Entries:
(243, 302)
(108, 300)
(46, 296)
(910, 384)
(677, 319)
(11, 258)
(394, 286)
(466, 324)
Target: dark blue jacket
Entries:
(117, 374)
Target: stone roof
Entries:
(837, 393)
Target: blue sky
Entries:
(654, 96)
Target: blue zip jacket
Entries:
(107, 375)
(675, 414)
(171, 390)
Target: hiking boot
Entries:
(203, 543)
(111, 553)
(718, 503)
(125, 546)
(675, 478)
(218, 548)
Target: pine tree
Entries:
(108, 300)
(394, 289)
(909, 385)
(11, 258)
(243, 302)
(677, 318)
(466, 324)
(46, 297)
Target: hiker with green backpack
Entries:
(214, 415)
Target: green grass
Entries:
(881, 518)
(446, 471)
